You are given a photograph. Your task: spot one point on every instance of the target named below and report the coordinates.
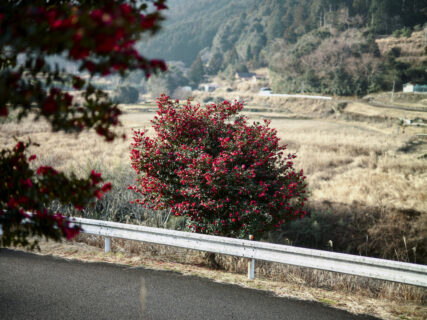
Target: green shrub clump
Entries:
(126, 94)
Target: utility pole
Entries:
(392, 92)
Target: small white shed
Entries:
(408, 87)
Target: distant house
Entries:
(248, 76)
(414, 87)
(186, 88)
(209, 87)
(245, 75)
(408, 87)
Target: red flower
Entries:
(56, 24)
(4, 111)
(96, 14)
(125, 8)
(148, 22)
(26, 182)
(19, 146)
(160, 5)
(12, 203)
(90, 66)
(70, 232)
(104, 44)
(50, 105)
(98, 194)
(159, 64)
(77, 52)
(43, 170)
(106, 187)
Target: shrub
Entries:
(126, 94)
(397, 33)
(404, 32)
(208, 164)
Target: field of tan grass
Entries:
(372, 180)
(347, 162)
(370, 111)
(344, 161)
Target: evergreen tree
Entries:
(215, 63)
(342, 83)
(231, 57)
(249, 53)
(275, 27)
(197, 71)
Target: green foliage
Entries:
(275, 27)
(241, 67)
(229, 72)
(404, 32)
(197, 71)
(231, 57)
(167, 82)
(215, 63)
(192, 26)
(342, 83)
(126, 94)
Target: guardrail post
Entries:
(251, 265)
(1, 230)
(107, 244)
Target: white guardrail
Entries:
(300, 96)
(402, 272)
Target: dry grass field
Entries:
(363, 168)
(352, 162)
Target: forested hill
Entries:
(231, 35)
(191, 26)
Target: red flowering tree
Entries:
(228, 177)
(99, 37)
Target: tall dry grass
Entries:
(350, 162)
(300, 276)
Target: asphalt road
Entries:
(39, 287)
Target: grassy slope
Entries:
(412, 48)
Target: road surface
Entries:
(43, 287)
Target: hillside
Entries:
(190, 27)
(339, 47)
(412, 49)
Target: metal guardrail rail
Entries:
(300, 96)
(401, 272)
